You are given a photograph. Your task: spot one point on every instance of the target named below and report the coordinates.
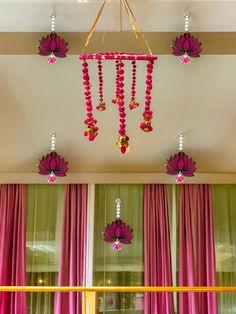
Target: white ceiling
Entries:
(153, 15)
(37, 98)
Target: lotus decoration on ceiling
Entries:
(52, 164)
(181, 165)
(186, 46)
(54, 46)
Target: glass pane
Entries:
(224, 205)
(43, 235)
(123, 268)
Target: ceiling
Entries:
(153, 15)
(198, 99)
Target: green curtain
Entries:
(45, 205)
(123, 268)
(224, 207)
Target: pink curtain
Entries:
(73, 249)
(196, 249)
(157, 256)
(12, 247)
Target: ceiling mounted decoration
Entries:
(186, 45)
(118, 232)
(53, 45)
(120, 59)
(53, 164)
(181, 164)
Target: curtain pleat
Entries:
(157, 255)
(12, 247)
(73, 249)
(196, 249)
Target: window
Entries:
(43, 237)
(123, 268)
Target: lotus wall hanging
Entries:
(181, 164)
(118, 232)
(53, 164)
(53, 45)
(186, 46)
(120, 59)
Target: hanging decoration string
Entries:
(132, 25)
(181, 141)
(186, 22)
(53, 141)
(118, 202)
(137, 25)
(53, 22)
(93, 27)
(133, 21)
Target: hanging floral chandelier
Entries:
(53, 45)
(186, 45)
(120, 60)
(181, 164)
(53, 164)
(118, 232)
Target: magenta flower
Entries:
(53, 45)
(186, 45)
(53, 164)
(181, 164)
(117, 232)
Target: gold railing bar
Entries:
(116, 289)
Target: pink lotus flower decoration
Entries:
(186, 46)
(182, 165)
(53, 46)
(53, 164)
(118, 232)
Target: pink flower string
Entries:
(102, 104)
(123, 139)
(116, 100)
(92, 130)
(133, 104)
(147, 114)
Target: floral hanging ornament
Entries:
(186, 45)
(118, 232)
(53, 45)
(92, 129)
(102, 105)
(120, 59)
(181, 164)
(52, 164)
(133, 103)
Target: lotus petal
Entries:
(118, 232)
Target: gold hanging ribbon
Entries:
(133, 21)
(93, 27)
(138, 27)
(132, 24)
